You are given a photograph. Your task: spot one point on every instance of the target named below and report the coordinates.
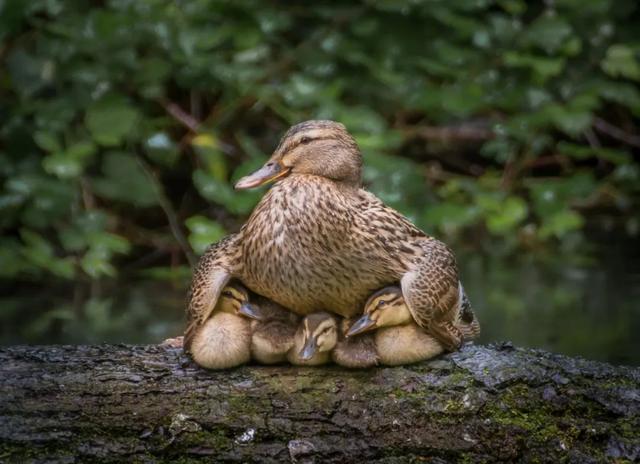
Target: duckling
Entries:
(317, 241)
(355, 352)
(224, 340)
(320, 340)
(314, 340)
(398, 339)
(273, 329)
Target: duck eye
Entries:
(305, 140)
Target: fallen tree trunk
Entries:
(152, 404)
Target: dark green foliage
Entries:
(503, 125)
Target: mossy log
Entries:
(153, 404)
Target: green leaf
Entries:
(162, 149)
(621, 61)
(582, 152)
(47, 141)
(543, 67)
(221, 192)
(111, 119)
(509, 215)
(204, 232)
(208, 150)
(561, 223)
(11, 259)
(69, 163)
(549, 32)
(450, 217)
(125, 180)
(40, 253)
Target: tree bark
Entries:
(153, 404)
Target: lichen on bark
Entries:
(152, 404)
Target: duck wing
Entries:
(211, 275)
(431, 289)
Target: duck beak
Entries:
(267, 173)
(251, 311)
(309, 349)
(364, 324)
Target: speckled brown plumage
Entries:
(318, 241)
(213, 272)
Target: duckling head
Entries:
(234, 299)
(320, 148)
(320, 334)
(384, 308)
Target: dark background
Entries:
(508, 129)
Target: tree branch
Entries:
(152, 404)
(616, 133)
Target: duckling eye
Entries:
(227, 293)
(381, 303)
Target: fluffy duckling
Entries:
(319, 339)
(273, 330)
(224, 340)
(314, 340)
(354, 352)
(398, 339)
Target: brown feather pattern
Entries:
(319, 242)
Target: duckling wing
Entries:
(213, 272)
(431, 291)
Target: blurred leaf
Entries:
(450, 217)
(212, 157)
(204, 232)
(549, 32)
(162, 149)
(69, 163)
(582, 152)
(43, 322)
(222, 193)
(102, 246)
(505, 216)
(621, 61)
(560, 223)
(11, 259)
(111, 119)
(40, 253)
(543, 67)
(125, 180)
(47, 141)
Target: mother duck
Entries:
(317, 241)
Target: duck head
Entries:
(384, 308)
(319, 333)
(320, 148)
(234, 299)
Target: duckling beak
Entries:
(364, 324)
(309, 349)
(251, 311)
(267, 173)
